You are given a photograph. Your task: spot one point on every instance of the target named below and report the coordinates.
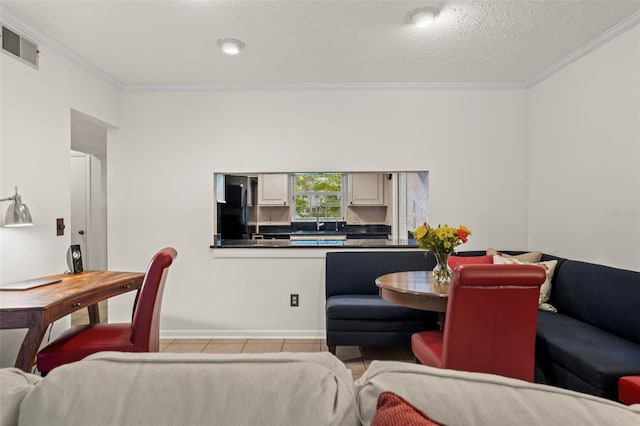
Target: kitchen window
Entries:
(318, 195)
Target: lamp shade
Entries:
(17, 214)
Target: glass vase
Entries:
(441, 272)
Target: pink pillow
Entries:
(393, 410)
(469, 260)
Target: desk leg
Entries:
(30, 346)
(94, 313)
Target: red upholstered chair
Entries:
(490, 323)
(469, 260)
(140, 335)
(629, 390)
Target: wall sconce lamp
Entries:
(17, 213)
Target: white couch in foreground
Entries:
(280, 389)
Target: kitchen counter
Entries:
(349, 235)
(315, 243)
(304, 229)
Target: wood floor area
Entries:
(356, 358)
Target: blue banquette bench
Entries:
(355, 313)
(587, 345)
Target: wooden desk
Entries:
(414, 289)
(35, 309)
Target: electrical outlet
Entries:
(294, 299)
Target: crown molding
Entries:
(7, 17)
(321, 86)
(10, 19)
(600, 40)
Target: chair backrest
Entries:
(145, 326)
(490, 323)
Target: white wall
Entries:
(572, 192)
(34, 155)
(162, 159)
(584, 157)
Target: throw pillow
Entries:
(393, 410)
(469, 260)
(545, 290)
(531, 257)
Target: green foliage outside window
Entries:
(318, 194)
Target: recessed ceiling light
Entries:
(423, 16)
(230, 46)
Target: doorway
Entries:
(88, 221)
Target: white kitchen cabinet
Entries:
(366, 189)
(273, 189)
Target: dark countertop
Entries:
(310, 234)
(356, 243)
(329, 228)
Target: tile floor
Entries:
(354, 357)
(82, 316)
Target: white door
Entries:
(80, 205)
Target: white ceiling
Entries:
(173, 43)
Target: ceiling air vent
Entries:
(20, 47)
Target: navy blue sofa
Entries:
(356, 315)
(594, 338)
(592, 341)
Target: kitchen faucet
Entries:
(318, 223)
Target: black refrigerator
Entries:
(233, 213)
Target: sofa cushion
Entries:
(531, 257)
(605, 297)
(195, 389)
(368, 307)
(463, 398)
(545, 289)
(14, 386)
(597, 357)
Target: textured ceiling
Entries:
(320, 42)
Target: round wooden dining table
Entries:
(414, 289)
